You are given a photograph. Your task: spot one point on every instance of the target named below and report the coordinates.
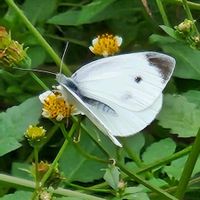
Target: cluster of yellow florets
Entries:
(106, 45)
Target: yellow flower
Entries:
(35, 133)
(106, 45)
(55, 105)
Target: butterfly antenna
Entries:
(35, 70)
(62, 59)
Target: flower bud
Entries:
(11, 52)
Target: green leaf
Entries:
(157, 182)
(89, 13)
(112, 176)
(15, 121)
(37, 55)
(21, 170)
(134, 143)
(8, 144)
(101, 139)
(193, 96)
(135, 193)
(180, 116)
(78, 161)
(170, 31)
(159, 150)
(132, 166)
(38, 10)
(17, 195)
(176, 168)
(187, 59)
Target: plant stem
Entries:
(189, 15)
(70, 40)
(134, 156)
(189, 166)
(36, 166)
(137, 178)
(37, 186)
(164, 161)
(39, 81)
(53, 165)
(192, 5)
(39, 37)
(163, 13)
(60, 191)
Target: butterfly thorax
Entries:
(68, 82)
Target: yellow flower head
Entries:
(106, 45)
(35, 133)
(55, 105)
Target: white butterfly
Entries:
(121, 94)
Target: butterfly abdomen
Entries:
(99, 105)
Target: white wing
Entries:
(121, 122)
(84, 108)
(132, 81)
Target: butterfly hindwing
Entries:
(125, 122)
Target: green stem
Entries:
(137, 178)
(88, 188)
(189, 15)
(36, 166)
(37, 186)
(189, 166)
(134, 156)
(53, 165)
(15, 181)
(173, 188)
(163, 13)
(89, 156)
(39, 81)
(192, 5)
(164, 161)
(39, 37)
(70, 40)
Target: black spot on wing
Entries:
(163, 63)
(138, 79)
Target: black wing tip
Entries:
(164, 63)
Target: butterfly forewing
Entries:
(132, 81)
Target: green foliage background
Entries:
(157, 155)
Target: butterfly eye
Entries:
(138, 79)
